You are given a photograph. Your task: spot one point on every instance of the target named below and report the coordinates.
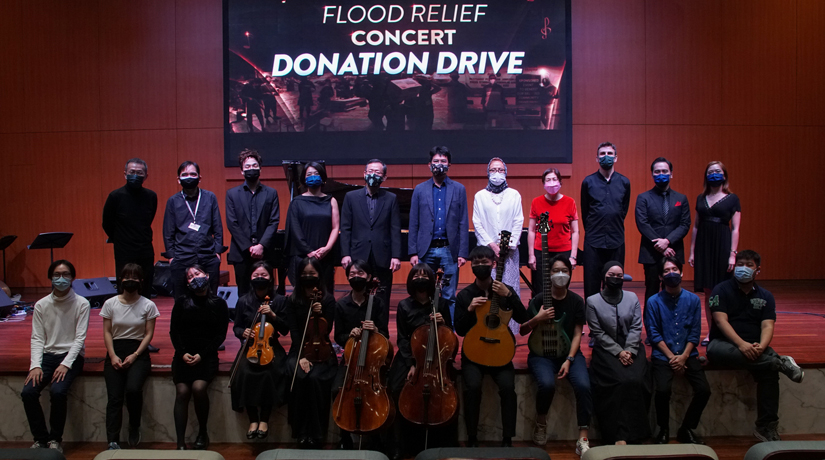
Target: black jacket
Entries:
(238, 221)
(652, 224)
(360, 235)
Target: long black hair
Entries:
(298, 295)
(421, 267)
(188, 297)
(265, 265)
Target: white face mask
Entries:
(560, 279)
(497, 178)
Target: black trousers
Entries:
(505, 378)
(537, 275)
(60, 398)
(125, 385)
(146, 262)
(384, 275)
(663, 378)
(178, 267)
(593, 260)
(652, 287)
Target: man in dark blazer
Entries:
(663, 219)
(252, 217)
(439, 223)
(373, 214)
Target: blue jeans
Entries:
(545, 371)
(442, 257)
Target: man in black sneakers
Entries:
(743, 320)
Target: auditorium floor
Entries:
(727, 448)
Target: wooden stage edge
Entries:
(800, 330)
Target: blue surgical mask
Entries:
(661, 179)
(743, 274)
(606, 162)
(314, 181)
(716, 179)
(197, 284)
(61, 284)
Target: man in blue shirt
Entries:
(439, 223)
(675, 327)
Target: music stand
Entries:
(51, 241)
(5, 242)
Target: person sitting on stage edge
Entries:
(744, 314)
(59, 324)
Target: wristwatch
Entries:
(571, 359)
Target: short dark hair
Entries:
(607, 144)
(421, 267)
(249, 153)
(65, 262)
(376, 160)
(322, 171)
(662, 160)
(482, 252)
(137, 161)
(360, 264)
(672, 260)
(187, 164)
(749, 254)
(132, 271)
(563, 259)
(262, 264)
(441, 150)
(551, 170)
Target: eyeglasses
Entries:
(497, 170)
(57, 276)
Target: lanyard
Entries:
(197, 205)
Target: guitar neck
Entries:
(494, 299)
(545, 264)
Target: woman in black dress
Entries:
(619, 372)
(258, 388)
(309, 403)
(312, 224)
(198, 327)
(715, 234)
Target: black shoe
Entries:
(687, 436)
(261, 434)
(305, 443)
(222, 347)
(471, 442)
(183, 447)
(345, 443)
(134, 437)
(152, 348)
(507, 442)
(663, 437)
(201, 442)
(397, 455)
(251, 434)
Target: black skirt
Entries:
(311, 398)
(206, 369)
(259, 386)
(621, 396)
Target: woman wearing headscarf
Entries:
(619, 373)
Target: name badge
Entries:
(194, 226)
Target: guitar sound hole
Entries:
(493, 321)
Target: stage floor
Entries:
(800, 331)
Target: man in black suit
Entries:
(252, 217)
(663, 219)
(373, 213)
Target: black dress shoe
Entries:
(345, 443)
(687, 436)
(663, 437)
(261, 434)
(471, 442)
(397, 455)
(304, 443)
(507, 442)
(251, 434)
(152, 348)
(181, 447)
(201, 442)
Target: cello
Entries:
(429, 397)
(363, 404)
(316, 347)
(490, 342)
(548, 339)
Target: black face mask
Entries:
(130, 286)
(197, 284)
(482, 272)
(358, 283)
(190, 182)
(134, 181)
(260, 283)
(613, 283)
(421, 285)
(252, 174)
(672, 279)
(310, 281)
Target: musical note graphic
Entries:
(546, 29)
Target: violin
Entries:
(429, 397)
(316, 346)
(363, 404)
(260, 352)
(243, 348)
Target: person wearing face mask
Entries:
(255, 388)
(312, 224)
(605, 200)
(128, 327)
(197, 328)
(252, 216)
(619, 371)
(127, 220)
(565, 303)
(715, 234)
(493, 101)
(563, 236)
(371, 227)
(192, 230)
(471, 297)
(439, 224)
(413, 312)
(309, 402)
(350, 319)
(59, 324)
(674, 324)
(744, 314)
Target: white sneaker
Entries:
(582, 446)
(540, 434)
(38, 445)
(56, 446)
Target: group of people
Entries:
(617, 387)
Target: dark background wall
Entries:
(88, 84)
